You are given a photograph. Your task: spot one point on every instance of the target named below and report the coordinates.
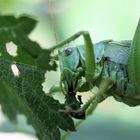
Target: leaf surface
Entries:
(21, 83)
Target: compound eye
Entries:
(67, 51)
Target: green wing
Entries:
(118, 51)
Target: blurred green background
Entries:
(106, 19)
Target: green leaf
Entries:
(23, 23)
(21, 84)
(51, 64)
(26, 96)
(29, 52)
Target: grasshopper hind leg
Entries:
(134, 59)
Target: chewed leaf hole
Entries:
(15, 70)
(11, 48)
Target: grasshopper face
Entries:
(69, 60)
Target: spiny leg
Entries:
(92, 103)
(90, 106)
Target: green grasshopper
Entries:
(114, 67)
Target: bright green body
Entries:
(112, 59)
(116, 67)
(113, 67)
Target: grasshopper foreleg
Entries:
(91, 104)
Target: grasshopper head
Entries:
(69, 64)
(73, 68)
(69, 60)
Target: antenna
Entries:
(52, 21)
